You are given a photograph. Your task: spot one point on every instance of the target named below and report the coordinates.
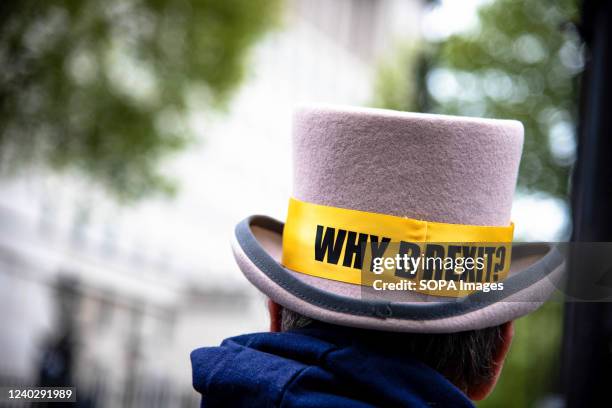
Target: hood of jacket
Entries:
(316, 367)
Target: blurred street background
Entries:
(134, 135)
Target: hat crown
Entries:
(429, 167)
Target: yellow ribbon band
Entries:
(341, 244)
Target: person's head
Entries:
(472, 360)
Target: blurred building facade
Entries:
(154, 281)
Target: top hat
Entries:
(361, 175)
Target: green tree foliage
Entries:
(103, 86)
(523, 63)
(396, 84)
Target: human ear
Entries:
(482, 390)
(274, 309)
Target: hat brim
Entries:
(536, 270)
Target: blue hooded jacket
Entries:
(317, 367)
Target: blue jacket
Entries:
(316, 367)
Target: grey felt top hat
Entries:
(428, 167)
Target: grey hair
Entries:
(466, 358)
(291, 320)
